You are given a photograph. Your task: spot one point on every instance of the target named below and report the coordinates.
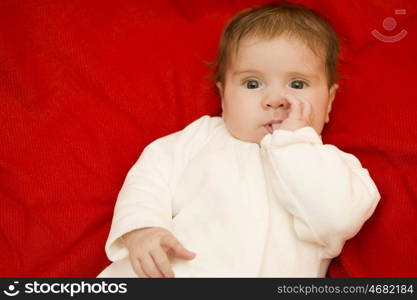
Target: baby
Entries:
(254, 193)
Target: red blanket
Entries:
(86, 85)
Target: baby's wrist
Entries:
(127, 237)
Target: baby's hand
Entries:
(301, 114)
(149, 249)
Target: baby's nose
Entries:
(277, 102)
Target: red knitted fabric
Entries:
(86, 85)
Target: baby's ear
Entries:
(332, 94)
(220, 87)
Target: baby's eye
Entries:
(298, 84)
(252, 84)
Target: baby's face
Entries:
(257, 79)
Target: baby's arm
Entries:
(327, 191)
(143, 201)
(142, 218)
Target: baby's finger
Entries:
(307, 109)
(296, 107)
(138, 268)
(162, 262)
(175, 248)
(148, 266)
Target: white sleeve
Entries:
(326, 190)
(143, 201)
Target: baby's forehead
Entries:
(316, 47)
(286, 50)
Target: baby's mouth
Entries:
(270, 127)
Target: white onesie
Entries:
(282, 209)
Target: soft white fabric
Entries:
(282, 209)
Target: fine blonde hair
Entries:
(272, 20)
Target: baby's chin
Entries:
(260, 135)
(254, 136)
